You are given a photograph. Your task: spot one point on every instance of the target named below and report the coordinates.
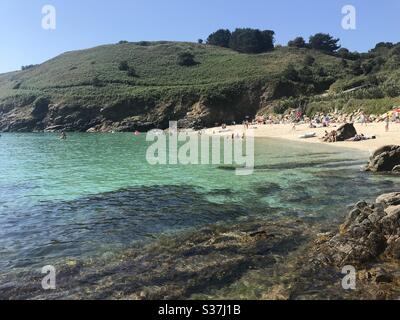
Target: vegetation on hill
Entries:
(142, 85)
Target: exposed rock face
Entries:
(129, 113)
(369, 231)
(385, 159)
(369, 240)
(345, 132)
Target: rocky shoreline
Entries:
(256, 259)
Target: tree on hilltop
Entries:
(220, 38)
(324, 42)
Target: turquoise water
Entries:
(95, 194)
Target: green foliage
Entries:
(324, 42)
(309, 60)
(219, 38)
(252, 40)
(356, 68)
(96, 82)
(93, 77)
(185, 59)
(131, 72)
(30, 66)
(290, 73)
(123, 65)
(298, 42)
(346, 54)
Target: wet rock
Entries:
(268, 188)
(389, 199)
(393, 249)
(385, 159)
(383, 277)
(396, 169)
(364, 235)
(368, 240)
(345, 132)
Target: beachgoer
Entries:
(63, 136)
(363, 119)
(387, 123)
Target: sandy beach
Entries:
(286, 131)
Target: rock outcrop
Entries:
(385, 159)
(370, 230)
(345, 132)
(369, 241)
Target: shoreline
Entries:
(286, 132)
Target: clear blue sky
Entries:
(87, 23)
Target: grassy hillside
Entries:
(88, 87)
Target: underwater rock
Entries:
(176, 267)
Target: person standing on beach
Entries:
(387, 120)
(363, 119)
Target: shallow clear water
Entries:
(95, 193)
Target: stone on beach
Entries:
(345, 132)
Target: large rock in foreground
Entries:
(369, 232)
(345, 132)
(385, 159)
(369, 241)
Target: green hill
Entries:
(86, 89)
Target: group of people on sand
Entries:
(330, 136)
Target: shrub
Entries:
(143, 43)
(123, 66)
(309, 60)
(131, 72)
(391, 89)
(290, 73)
(17, 85)
(186, 59)
(96, 82)
(30, 66)
(298, 42)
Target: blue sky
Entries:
(87, 23)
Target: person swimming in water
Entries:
(63, 136)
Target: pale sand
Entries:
(285, 131)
